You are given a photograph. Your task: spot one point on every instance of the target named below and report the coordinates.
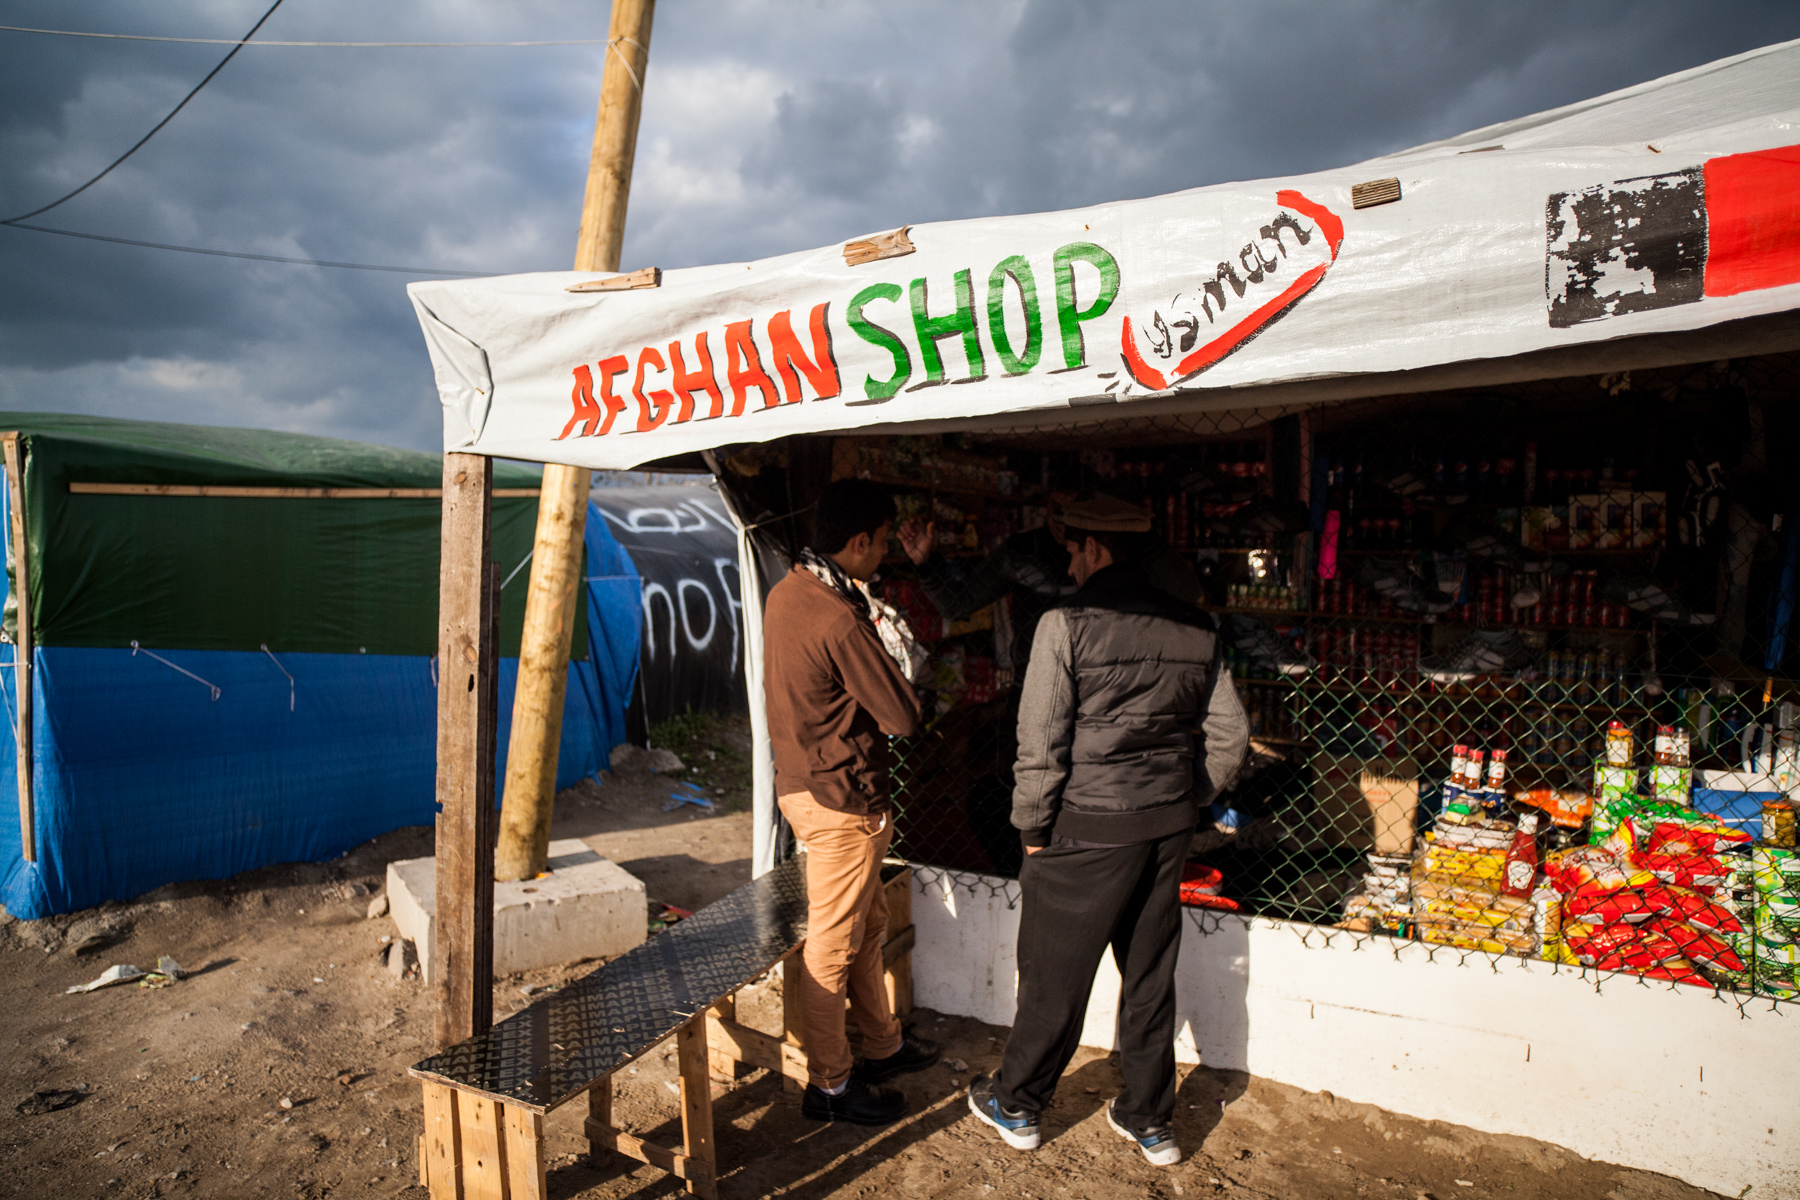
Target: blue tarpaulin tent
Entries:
(231, 644)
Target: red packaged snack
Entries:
(1201, 885)
(1696, 945)
(1702, 835)
(1608, 907)
(1603, 940)
(1691, 907)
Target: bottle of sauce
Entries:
(1521, 859)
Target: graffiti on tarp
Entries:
(685, 548)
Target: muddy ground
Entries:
(279, 1067)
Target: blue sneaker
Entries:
(1157, 1142)
(1016, 1128)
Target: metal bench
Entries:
(485, 1099)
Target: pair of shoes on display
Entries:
(1483, 652)
(1021, 1131)
(1407, 587)
(863, 1101)
(1258, 640)
(1648, 596)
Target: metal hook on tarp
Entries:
(210, 686)
(284, 671)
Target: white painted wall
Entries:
(1654, 1076)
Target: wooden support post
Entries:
(483, 1148)
(615, 136)
(726, 1069)
(551, 608)
(22, 656)
(468, 677)
(524, 1148)
(897, 951)
(442, 1162)
(792, 1018)
(554, 599)
(599, 1114)
(696, 1104)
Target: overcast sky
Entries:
(768, 127)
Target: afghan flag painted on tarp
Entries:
(1728, 226)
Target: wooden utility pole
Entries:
(555, 595)
(462, 954)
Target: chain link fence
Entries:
(1519, 662)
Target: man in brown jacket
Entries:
(834, 693)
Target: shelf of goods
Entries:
(1351, 572)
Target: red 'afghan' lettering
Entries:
(820, 370)
(582, 396)
(744, 369)
(688, 382)
(618, 364)
(663, 400)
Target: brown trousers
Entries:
(846, 923)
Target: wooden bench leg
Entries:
(897, 951)
(476, 1148)
(600, 1098)
(726, 1070)
(696, 1104)
(524, 1142)
(791, 1022)
(441, 1166)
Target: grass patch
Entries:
(716, 749)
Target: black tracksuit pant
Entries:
(1075, 903)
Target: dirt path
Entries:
(278, 1068)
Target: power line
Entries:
(144, 37)
(140, 142)
(304, 262)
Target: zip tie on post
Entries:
(434, 682)
(284, 671)
(210, 686)
(613, 45)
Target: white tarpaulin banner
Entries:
(1669, 206)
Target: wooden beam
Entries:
(442, 1164)
(525, 1174)
(682, 1166)
(553, 599)
(793, 1015)
(756, 1048)
(22, 656)
(615, 136)
(552, 603)
(463, 950)
(643, 277)
(696, 1105)
(483, 1149)
(276, 493)
(726, 1069)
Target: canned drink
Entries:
(1778, 823)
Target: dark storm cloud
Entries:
(768, 127)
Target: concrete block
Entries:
(585, 907)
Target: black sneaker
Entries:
(915, 1054)
(860, 1103)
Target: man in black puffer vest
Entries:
(1128, 727)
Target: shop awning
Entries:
(1665, 208)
